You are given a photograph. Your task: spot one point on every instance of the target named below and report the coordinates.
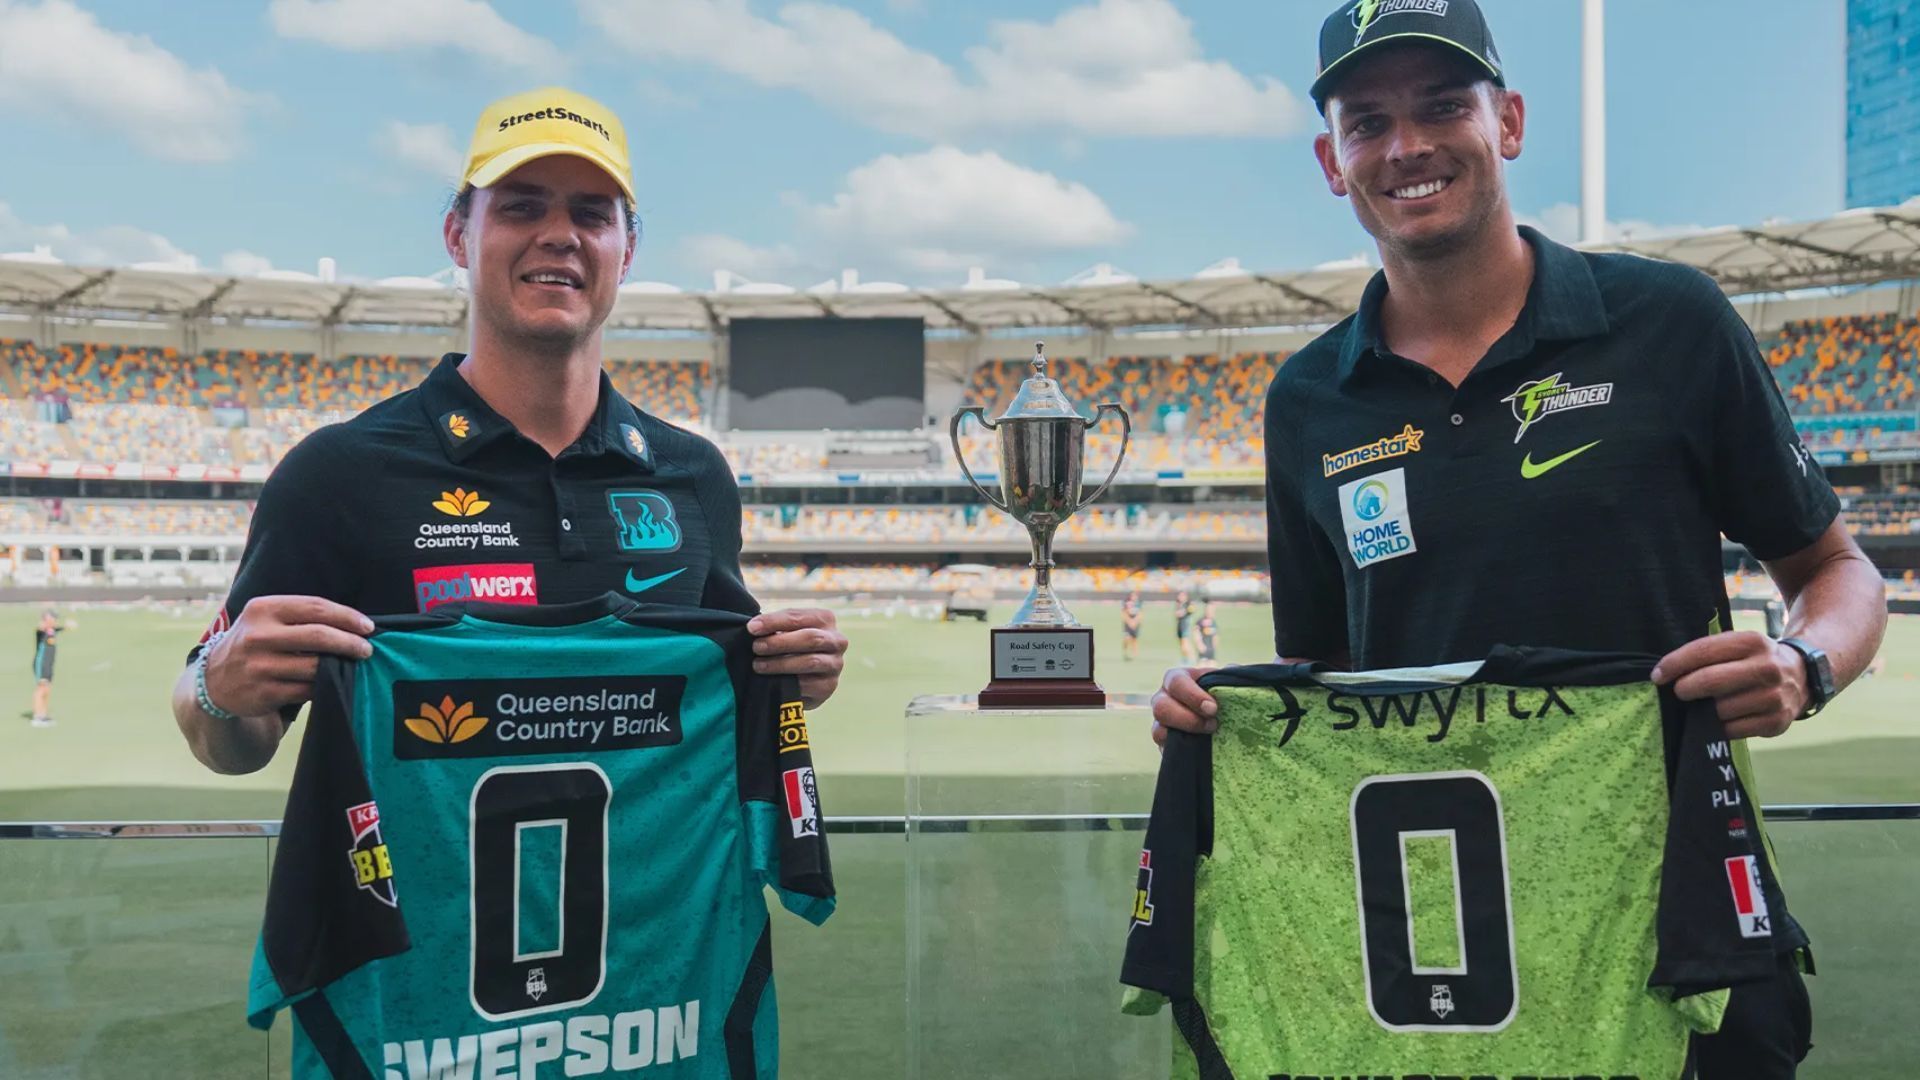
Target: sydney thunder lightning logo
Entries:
(1540, 398)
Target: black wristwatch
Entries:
(1820, 688)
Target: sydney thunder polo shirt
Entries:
(430, 497)
(1571, 492)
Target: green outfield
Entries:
(112, 953)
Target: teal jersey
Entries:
(1540, 865)
(533, 842)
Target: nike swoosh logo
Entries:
(642, 586)
(1528, 470)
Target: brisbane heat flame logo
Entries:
(446, 723)
(643, 521)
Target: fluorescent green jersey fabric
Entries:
(1541, 865)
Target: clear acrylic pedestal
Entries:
(1024, 830)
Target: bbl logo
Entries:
(643, 521)
(1143, 892)
(372, 868)
(537, 983)
(1442, 1000)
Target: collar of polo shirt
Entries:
(465, 422)
(1563, 304)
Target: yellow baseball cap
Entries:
(540, 123)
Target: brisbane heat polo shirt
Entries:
(430, 497)
(1571, 492)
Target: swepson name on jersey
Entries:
(586, 1045)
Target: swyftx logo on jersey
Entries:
(1373, 510)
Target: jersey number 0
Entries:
(507, 980)
(1479, 989)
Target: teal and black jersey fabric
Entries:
(532, 841)
(1537, 865)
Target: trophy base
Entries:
(1042, 667)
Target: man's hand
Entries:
(1180, 703)
(804, 642)
(268, 658)
(1758, 686)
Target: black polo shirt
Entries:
(1571, 492)
(430, 497)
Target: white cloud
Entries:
(245, 263)
(428, 148)
(946, 209)
(54, 57)
(712, 251)
(469, 26)
(1110, 67)
(111, 245)
(1561, 221)
(914, 216)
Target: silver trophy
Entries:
(1042, 442)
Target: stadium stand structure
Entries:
(118, 455)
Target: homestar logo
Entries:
(1536, 400)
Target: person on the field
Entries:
(1183, 626)
(1513, 442)
(44, 636)
(521, 444)
(1206, 634)
(1130, 620)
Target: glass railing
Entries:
(992, 952)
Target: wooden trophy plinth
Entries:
(1042, 667)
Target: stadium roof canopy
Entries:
(1856, 247)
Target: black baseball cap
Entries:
(1359, 25)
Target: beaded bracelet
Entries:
(200, 683)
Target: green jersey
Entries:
(1539, 865)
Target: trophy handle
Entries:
(960, 455)
(1126, 436)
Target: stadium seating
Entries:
(671, 391)
(349, 384)
(1847, 364)
(123, 519)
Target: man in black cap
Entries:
(1560, 440)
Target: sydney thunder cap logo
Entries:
(1367, 12)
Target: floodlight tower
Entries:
(1593, 122)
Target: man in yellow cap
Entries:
(514, 473)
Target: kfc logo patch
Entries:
(1749, 899)
(803, 803)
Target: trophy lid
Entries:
(1039, 397)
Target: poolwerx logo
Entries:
(574, 715)
(1536, 400)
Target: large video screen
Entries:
(844, 374)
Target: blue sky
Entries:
(907, 139)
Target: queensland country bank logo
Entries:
(446, 722)
(484, 718)
(372, 868)
(464, 534)
(643, 521)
